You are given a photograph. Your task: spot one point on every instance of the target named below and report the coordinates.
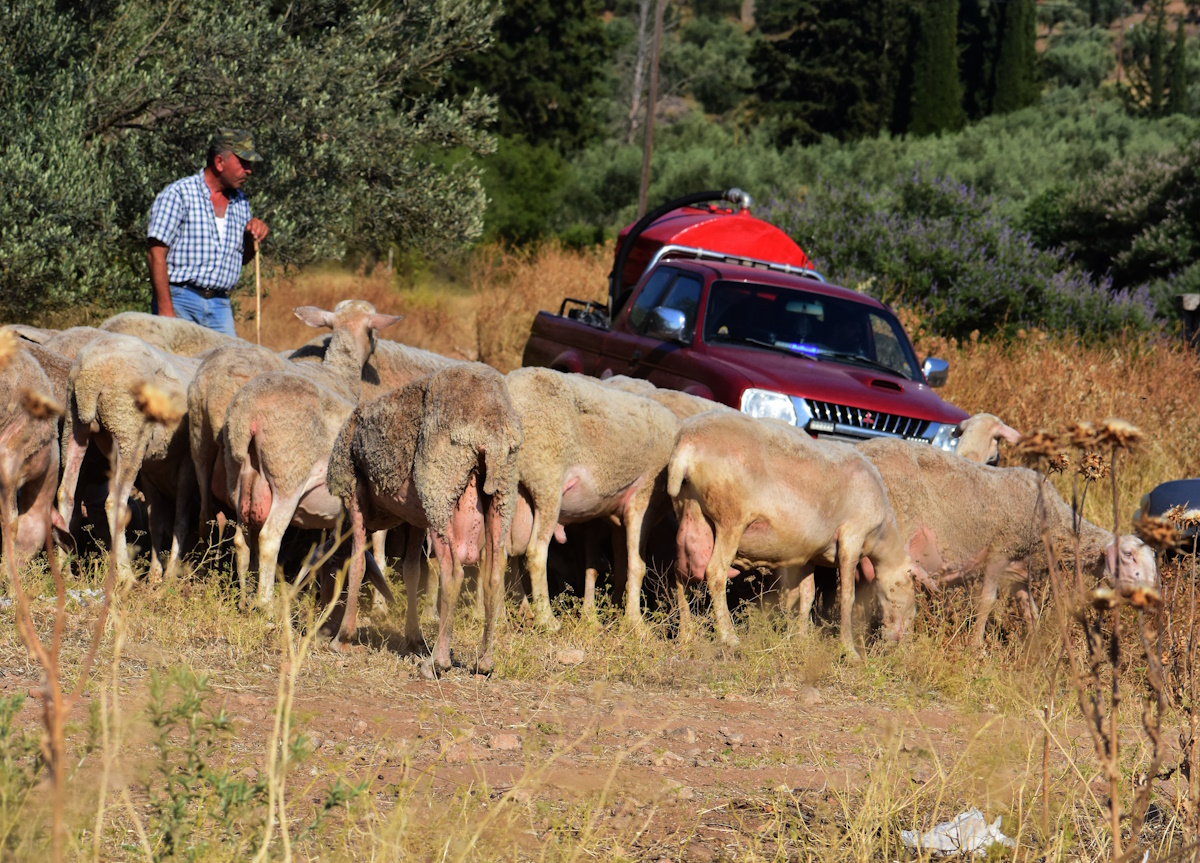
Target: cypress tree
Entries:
(1157, 77)
(1177, 97)
(937, 91)
(1016, 72)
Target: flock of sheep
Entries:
(355, 430)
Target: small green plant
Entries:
(21, 768)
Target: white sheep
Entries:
(761, 493)
(960, 518)
(590, 451)
(107, 383)
(279, 430)
(173, 335)
(979, 438)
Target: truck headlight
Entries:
(943, 436)
(765, 404)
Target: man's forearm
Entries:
(159, 280)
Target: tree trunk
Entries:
(639, 71)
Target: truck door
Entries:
(628, 351)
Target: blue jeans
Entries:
(216, 314)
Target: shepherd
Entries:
(201, 234)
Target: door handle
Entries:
(635, 357)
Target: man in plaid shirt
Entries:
(201, 235)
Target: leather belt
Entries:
(207, 293)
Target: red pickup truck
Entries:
(709, 300)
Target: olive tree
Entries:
(107, 101)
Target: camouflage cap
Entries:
(240, 142)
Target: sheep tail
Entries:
(677, 469)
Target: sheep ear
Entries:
(1110, 559)
(382, 322)
(314, 317)
(1008, 433)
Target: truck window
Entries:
(807, 324)
(684, 295)
(651, 295)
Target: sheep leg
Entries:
(491, 573)
(203, 459)
(687, 629)
(799, 591)
(993, 574)
(433, 577)
(242, 552)
(184, 488)
(358, 563)
(451, 578)
(379, 552)
(591, 570)
(156, 505)
(635, 545)
(75, 445)
(716, 573)
(119, 489)
(544, 523)
(849, 550)
(270, 537)
(411, 572)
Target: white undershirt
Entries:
(220, 227)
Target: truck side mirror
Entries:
(667, 324)
(935, 371)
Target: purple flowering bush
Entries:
(933, 243)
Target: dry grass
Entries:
(1043, 381)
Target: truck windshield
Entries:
(809, 324)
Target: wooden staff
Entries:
(257, 299)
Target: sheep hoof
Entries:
(485, 666)
(341, 646)
(547, 621)
(853, 657)
(588, 618)
(425, 667)
(416, 646)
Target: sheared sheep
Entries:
(29, 452)
(959, 518)
(173, 335)
(762, 493)
(68, 343)
(438, 454)
(682, 404)
(108, 405)
(979, 438)
(279, 430)
(589, 451)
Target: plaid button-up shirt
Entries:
(183, 220)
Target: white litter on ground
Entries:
(966, 833)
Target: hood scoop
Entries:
(884, 384)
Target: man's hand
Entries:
(258, 229)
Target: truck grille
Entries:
(847, 419)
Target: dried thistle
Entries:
(1103, 598)
(8, 347)
(1183, 517)
(40, 406)
(1093, 466)
(1038, 444)
(1144, 597)
(156, 405)
(1120, 433)
(1083, 435)
(1158, 533)
(1060, 463)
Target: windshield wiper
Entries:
(817, 352)
(859, 358)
